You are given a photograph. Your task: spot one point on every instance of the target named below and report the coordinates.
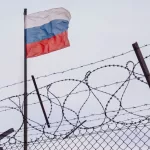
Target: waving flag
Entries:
(46, 31)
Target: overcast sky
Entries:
(98, 29)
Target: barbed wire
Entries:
(105, 85)
(108, 125)
(93, 115)
(75, 68)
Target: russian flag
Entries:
(46, 31)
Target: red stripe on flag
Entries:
(48, 45)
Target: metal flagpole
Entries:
(25, 89)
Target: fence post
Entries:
(142, 62)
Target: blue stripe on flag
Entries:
(45, 31)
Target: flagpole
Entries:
(25, 89)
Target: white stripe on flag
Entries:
(43, 17)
